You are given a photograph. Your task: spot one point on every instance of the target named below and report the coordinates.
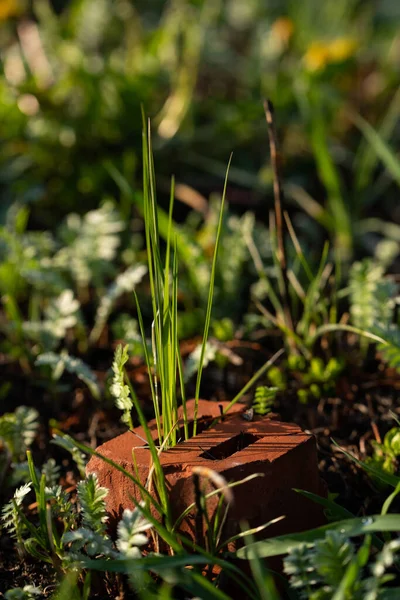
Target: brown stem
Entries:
(279, 200)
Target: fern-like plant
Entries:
(124, 282)
(318, 570)
(60, 314)
(371, 295)
(130, 532)
(390, 350)
(119, 390)
(264, 399)
(10, 515)
(91, 497)
(18, 430)
(64, 362)
(91, 537)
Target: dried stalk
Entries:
(279, 200)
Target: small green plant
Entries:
(389, 348)
(91, 537)
(385, 454)
(165, 367)
(215, 352)
(264, 399)
(10, 515)
(372, 307)
(124, 282)
(325, 563)
(318, 570)
(304, 307)
(126, 328)
(372, 298)
(119, 389)
(17, 433)
(18, 430)
(64, 534)
(319, 565)
(309, 379)
(67, 443)
(316, 378)
(48, 278)
(64, 362)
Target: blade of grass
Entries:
(149, 369)
(262, 577)
(210, 299)
(161, 483)
(330, 177)
(349, 527)
(298, 247)
(387, 478)
(342, 327)
(380, 148)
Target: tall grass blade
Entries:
(349, 527)
(210, 299)
(330, 177)
(380, 147)
(262, 577)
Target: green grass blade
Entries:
(150, 563)
(262, 577)
(341, 327)
(337, 511)
(348, 527)
(160, 477)
(149, 369)
(387, 478)
(366, 157)
(380, 147)
(330, 177)
(210, 298)
(312, 295)
(386, 505)
(183, 393)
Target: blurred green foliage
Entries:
(73, 78)
(386, 453)
(72, 82)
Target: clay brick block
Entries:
(235, 448)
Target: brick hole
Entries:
(231, 446)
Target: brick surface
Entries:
(235, 448)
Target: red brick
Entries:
(282, 452)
